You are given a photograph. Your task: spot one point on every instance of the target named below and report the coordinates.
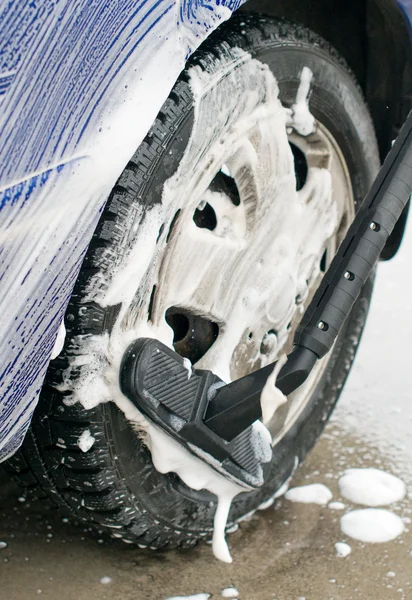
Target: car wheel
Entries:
(214, 239)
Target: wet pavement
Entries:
(283, 553)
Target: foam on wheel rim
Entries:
(114, 486)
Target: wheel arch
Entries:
(375, 38)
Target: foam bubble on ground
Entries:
(336, 506)
(342, 549)
(230, 592)
(105, 580)
(314, 493)
(371, 487)
(3, 545)
(373, 525)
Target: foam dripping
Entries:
(101, 355)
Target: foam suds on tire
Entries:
(169, 456)
(102, 355)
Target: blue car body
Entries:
(80, 84)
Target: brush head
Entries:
(176, 399)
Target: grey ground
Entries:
(285, 552)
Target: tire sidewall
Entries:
(337, 103)
(162, 509)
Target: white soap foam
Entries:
(266, 504)
(188, 365)
(86, 440)
(314, 493)
(261, 112)
(59, 343)
(303, 120)
(374, 525)
(66, 211)
(105, 580)
(3, 545)
(271, 397)
(336, 506)
(342, 549)
(230, 592)
(169, 456)
(371, 487)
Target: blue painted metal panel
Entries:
(406, 5)
(80, 85)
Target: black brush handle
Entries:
(237, 404)
(361, 248)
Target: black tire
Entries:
(114, 486)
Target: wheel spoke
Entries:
(242, 246)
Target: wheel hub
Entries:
(241, 265)
(248, 224)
